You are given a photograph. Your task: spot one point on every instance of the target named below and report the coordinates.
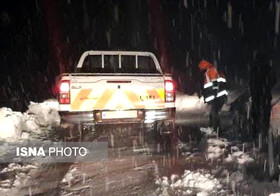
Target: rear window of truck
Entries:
(118, 64)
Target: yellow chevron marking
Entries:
(104, 99)
(79, 99)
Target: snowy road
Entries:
(204, 165)
(126, 172)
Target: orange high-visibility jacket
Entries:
(214, 83)
(211, 75)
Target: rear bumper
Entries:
(95, 117)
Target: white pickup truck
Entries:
(112, 87)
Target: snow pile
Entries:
(193, 104)
(10, 124)
(189, 181)
(218, 142)
(190, 103)
(239, 157)
(198, 180)
(274, 194)
(72, 177)
(214, 152)
(203, 193)
(39, 116)
(216, 147)
(14, 175)
(12, 167)
(208, 131)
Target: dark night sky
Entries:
(34, 31)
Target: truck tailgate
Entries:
(89, 93)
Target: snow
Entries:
(190, 103)
(14, 175)
(218, 142)
(14, 125)
(214, 152)
(174, 177)
(244, 159)
(239, 157)
(194, 104)
(274, 194)
(164, 181)
(10, 124)
(70, 176)
(237, 154)
(208, 131)
(44, 114)
(229, 158)
(200, 180)
(217, 147)
(17, 167)
(202, 194)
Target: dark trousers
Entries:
(260, 113)
(215, 108)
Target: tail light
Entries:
(169, 88)
(64, 92)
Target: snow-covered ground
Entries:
(204, 182)
(42, 117)
(18, 174)
(39, 117)
(219, 147)
(193, 104)
(190, 103)
(17, 127)
(10, 124)
(201, 181)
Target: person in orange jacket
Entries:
(214, 91)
